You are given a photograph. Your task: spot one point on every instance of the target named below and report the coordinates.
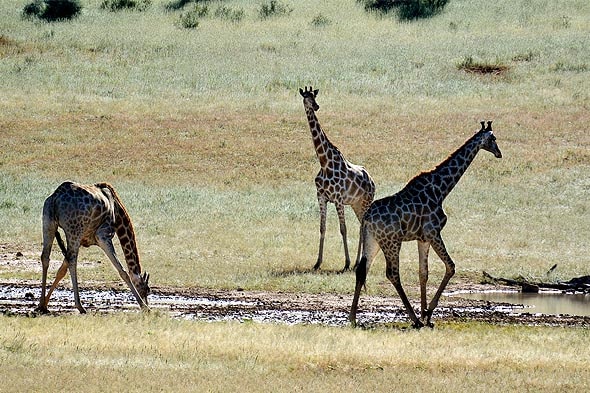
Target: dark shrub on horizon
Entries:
(406, 9)
(52, 10)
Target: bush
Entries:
(274, 8)
(417, 9)
(52, 10)
(117, 5)
(190, 19)
(406, 9)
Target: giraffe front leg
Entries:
(322, 202)
(342, 220)
(106, 244)
(440, 249)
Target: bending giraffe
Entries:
(338, 180)
(416, 213)
(89, 215)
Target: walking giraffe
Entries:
(338, 180)
(89, 215)
(416, 213)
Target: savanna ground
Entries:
(202, 132)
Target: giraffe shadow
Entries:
(300, 272)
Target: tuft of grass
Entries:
(272, 8)
(235, 15)
(470, 65)
(118, 5)
(321, 21)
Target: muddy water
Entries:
(553, 303)
(200, 304)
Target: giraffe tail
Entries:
(60, 243)
(361, 273)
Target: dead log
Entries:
(579, 284)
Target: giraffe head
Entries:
(141, 284)
(488, 140)
(144, 288)
(309, 96)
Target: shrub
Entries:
(117, 5)
(416, 9)
(274, 8)
(190, 19)
(52, 10)
(406, 9)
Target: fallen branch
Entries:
(580, 284)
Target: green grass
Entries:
(203, 133)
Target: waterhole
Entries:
(550, 303)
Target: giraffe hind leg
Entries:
(392, 273)
(370, 250)
(49, 234)
(423, 248)
(63, 269)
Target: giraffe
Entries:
(416, 213)
(338, 180)
(89, 215)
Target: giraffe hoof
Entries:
(42, 310)
(417, 325)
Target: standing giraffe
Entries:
(89, 215)
(338, 180)
(416, 213)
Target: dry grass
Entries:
(203, 134)
(154, 353)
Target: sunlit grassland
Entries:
(140, 352)
(203, 132)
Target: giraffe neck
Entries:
(320, 140)
(125, 233)
(448, 173)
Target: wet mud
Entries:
(20, 298)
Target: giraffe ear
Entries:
(315, 92)
(301, 92)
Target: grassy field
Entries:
(203, 133)
(139, 353)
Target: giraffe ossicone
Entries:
(416, 213)
(89, 215)
(338, 181)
